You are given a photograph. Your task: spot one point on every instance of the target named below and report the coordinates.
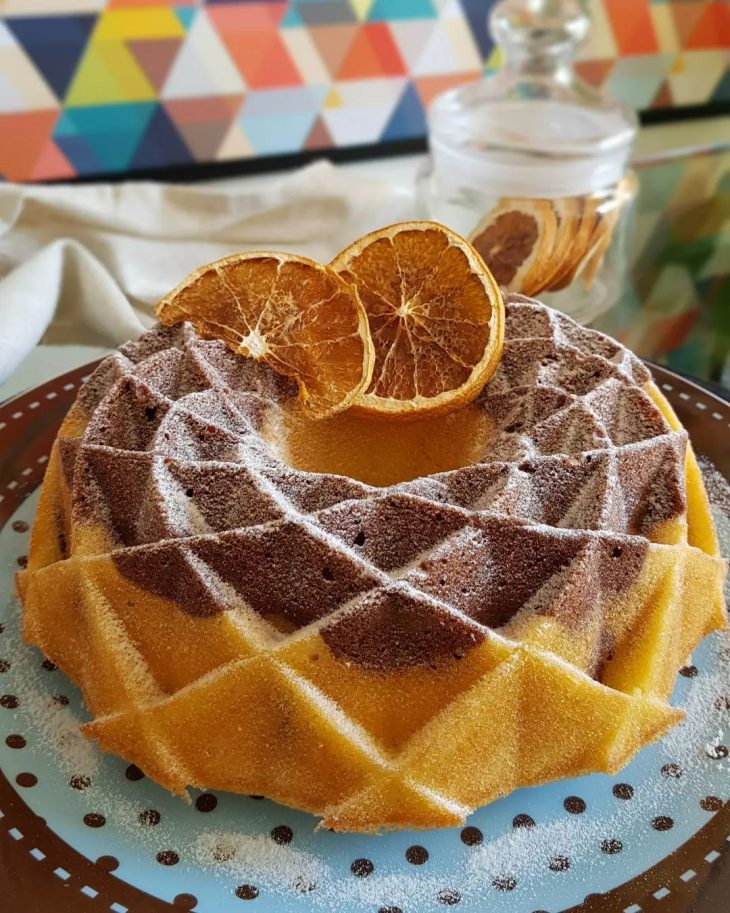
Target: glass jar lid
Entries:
(533, 128)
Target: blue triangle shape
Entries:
(54, 44)
(476, 13)
(161, 144)
(79, 153)
(185, 15)
(408, 120)
(111, 133)
(292, 18)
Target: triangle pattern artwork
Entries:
(161, 143)
(155, 56)
(103, 86)
(54, 44)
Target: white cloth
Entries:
(86, 264)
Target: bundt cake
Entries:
(390, 647)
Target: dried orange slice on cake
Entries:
(436, 318)
(516, 240)
(296, 315)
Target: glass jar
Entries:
(531, 164)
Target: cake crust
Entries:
(359, 651)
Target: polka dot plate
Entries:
(82, 831)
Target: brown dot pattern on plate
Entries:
(559, 864)
(108, 863)
(133, 773)
(662, 823)
(417, 855)
(362, 868)
(623, 791)
(282, 834)
(258, 798)
(9, 701)
(689, 671)
(22, 561)
(185, 901)
(223, 853)
(717, 752)
(49, 665)
(448, 897)
(167, 857)
(472, 836)
(150, 817)
(711, 804)
(611, 846)
(247, 892)
(575, 805)
(26, 779)
(206, 802)
(15, 741)
(61, 700)
(94, 819)
(79, 781)
(390, 910)
(20, 526)
(504, 883)
(4, 665)
(523, 820)
(671, 770)
(2, 628)
(303, 886)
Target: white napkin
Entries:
(86, 264)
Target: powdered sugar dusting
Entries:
(258, 857)
(55, 725)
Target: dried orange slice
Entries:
(436, 318)
(296, 315)
(516, 240)
(608, 217)
(581, 244)
(568, 214)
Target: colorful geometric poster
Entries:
(110, 87)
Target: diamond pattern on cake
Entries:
(356, 651)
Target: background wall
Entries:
(103, 87)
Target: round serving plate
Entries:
(83, 831)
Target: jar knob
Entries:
(537, 32)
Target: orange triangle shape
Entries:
(712, 29)
(30, 131)
(247, 48)
(276, 68)
(333, 43)
(687, 14)
(52, 164)
(428, 87)
(155, 56)
(362, 60)
(381, 39)
(319, 136)
(633, 29)
(594, 72)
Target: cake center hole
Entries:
(379, 451)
